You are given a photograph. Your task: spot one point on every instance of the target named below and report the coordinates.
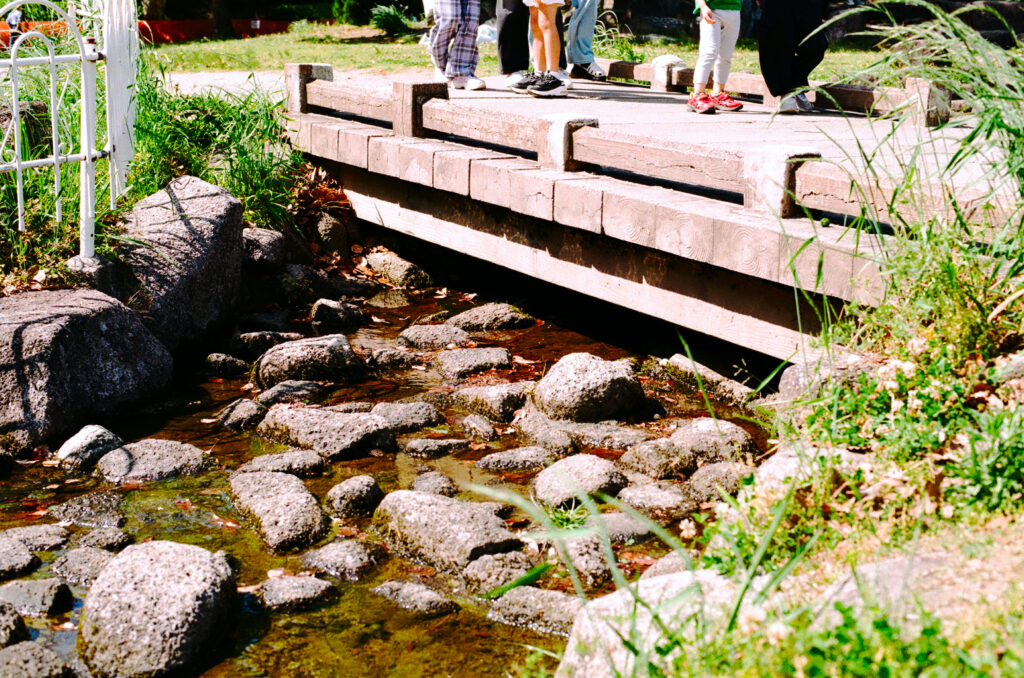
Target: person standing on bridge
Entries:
(453, 43)
(790, 46)
(719, 29)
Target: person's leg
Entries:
(513, 25)
(579, 38)
(446, 25)
(777, 45)
(539, 54)
(552, 42)
(811, 48)
(729, 20)
(463, 55)
(560, 26)
(710, 36)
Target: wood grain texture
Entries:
(452, 166)
(344, 98)
(502, 129)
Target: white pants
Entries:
(717, 42)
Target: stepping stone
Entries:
(287, 514)
(292, 391)
(297, 462)
(151, 460)
(498, 402)
(357, 496)
(294, 593)
(109, 538)
(432, 448)
(38, 537)
(491, 317)
(81, 566)
(12, 626)
(462, 362)
(331, 433)
(347, 558)
(416, 597)
(37, 597)
(562, 482)
(31, 660)
(96, 509)
(242, 415)
(408, 417)
(435, 482)
(539, 610)
(433, 336)
(520, 459)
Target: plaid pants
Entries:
(453, 37)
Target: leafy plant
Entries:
(610, 41)
(567, 518)
(990, 472)
(352, 12)
(391, 19)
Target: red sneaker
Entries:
(701, 103)
(724, 102)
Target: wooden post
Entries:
(408, 100)
(769, 178)
(664, 66)
(929, 103)
(297, 76)
(554, 139)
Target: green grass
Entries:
(347, 48)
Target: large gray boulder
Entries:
(498, 402)
(68, 357)
(185, 250)
(15, 559)
(289, 516)
(397, 270)
(447, 533)
(327, 358)
(151, 459)
(566, 479)
(490, 317)
(332, 434)
(609, 630)
(583, 387)
(155, 609)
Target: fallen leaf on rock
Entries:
(279, 572)
(356, 249)
(248, 589)
(66, 626)
(73, 481)
(377, 320)
(346, 531)
(476, 447)
(216, 380)
(39, 513)
(209, 420)
(421, 368)
(469, 297)
(520, 360)
(51, 462)
(223, 522)
(52, 487)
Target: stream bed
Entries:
(357, 633)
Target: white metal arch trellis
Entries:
(120, 33)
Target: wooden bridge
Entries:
(709, 222)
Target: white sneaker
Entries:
(439, 75)
(564, 77)
(788, 106)
(470, 82)
(514, 79)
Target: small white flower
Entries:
(687, 529)
(750, 619)
(891, 385)
(777, 631)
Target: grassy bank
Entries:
(349, 48)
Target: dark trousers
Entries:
(786, 52)
(514, 39)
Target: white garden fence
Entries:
(59, 47)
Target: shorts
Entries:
(538, 3)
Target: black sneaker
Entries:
(527, 81)
(548, 86)
(589, 71)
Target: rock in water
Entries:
(337, 316)
(520, 459)
(332, 434)
(447, 533)
(38, 537)
(543, 611)
(662, 458)
(156, 608)
(432, 448)
(327, 358)
(297, 462)
(37, 597)
(488, 573)
(224, 365)
(560, 483)
(294, 593)
(109, 538)
(96, 509)
(292, 391)
(12, 626)
(288, 515)
(151, 459)
(88, 355)
(408, 417)
(185, 249)
(582, 387)
(709, 440)
(435, 482)
(81, 451)
(31, 660)
(433, 336)
(242, 414)
(81, 566)
(397, 270)
(498, 402)
(491, 317)
(251, 345)
(416, 597)
(15, 559)
(358, 496)
(710, 482)
(462, 362)
(264, 248)
(348, 559)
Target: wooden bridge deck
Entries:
(617, 191)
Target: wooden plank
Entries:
(490, 180)
(481, 124)
(755, 314)
(687, 163)
(343, 98)
(452, 167)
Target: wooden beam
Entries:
(342, 98)
(481, 124)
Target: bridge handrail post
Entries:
(554, 140)
(296, 77)
(408, 99)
